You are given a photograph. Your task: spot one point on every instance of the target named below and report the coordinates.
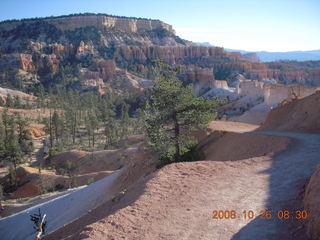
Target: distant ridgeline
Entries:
(99, 50)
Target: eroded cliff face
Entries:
(171, 55)
(274, 93)
(87, 48)
(26, 63)
(124, 24)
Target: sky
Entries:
(253, 25)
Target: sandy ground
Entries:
(301, 115)
(255, 115)
(232, 126)
(177, 201)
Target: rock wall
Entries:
(220, 84)
(106, 68)
(171, 55)
(250, 88)
(26, 63)
(312, 205)
(276, 93)
(85, 49)
(201, 78)
(122, 24)
(273, 93)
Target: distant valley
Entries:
(265, 56)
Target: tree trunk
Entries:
(176, 137)
(50, 128)
(15, 172)
(93, 138)
(74, 128)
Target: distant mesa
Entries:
(71, 22)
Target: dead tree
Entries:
(40, 224)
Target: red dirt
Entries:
(302, 115)
(168, 202)
(37, 130)
(27, 190)
(312, 205)
(106, 160)
(223, 146)
(176, 202)
(29, 181)
(59, 161)
(232, 126)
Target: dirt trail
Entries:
(177, 202)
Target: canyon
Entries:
(39, 51)
(83, 82)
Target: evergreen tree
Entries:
(124, 118)
(6, 123)
(71, 120)
(56, 124)
(13, 150)
(91, 125)
(172, 112)
(24, 136)
(110, 127)
(2, 142)
(9, 101)
(16, 102)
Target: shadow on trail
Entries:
(289, 173)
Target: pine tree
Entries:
(110, 127)
(13, 150)
(9, 101)
(2, 141)
(71, 120)
(92, 124)
(24, 136)
(124, 119)
(6, 123)
(56, 123)
(16, 102)
(172, 112)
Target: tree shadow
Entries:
(289, 174)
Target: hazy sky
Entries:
(272, 25)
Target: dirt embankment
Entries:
(240, 171)
(37, 130)
(162, 204)
(312, 205)
(32, 182)
(81, 162)
(88, 168)
(302, 115)
(224, 146)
